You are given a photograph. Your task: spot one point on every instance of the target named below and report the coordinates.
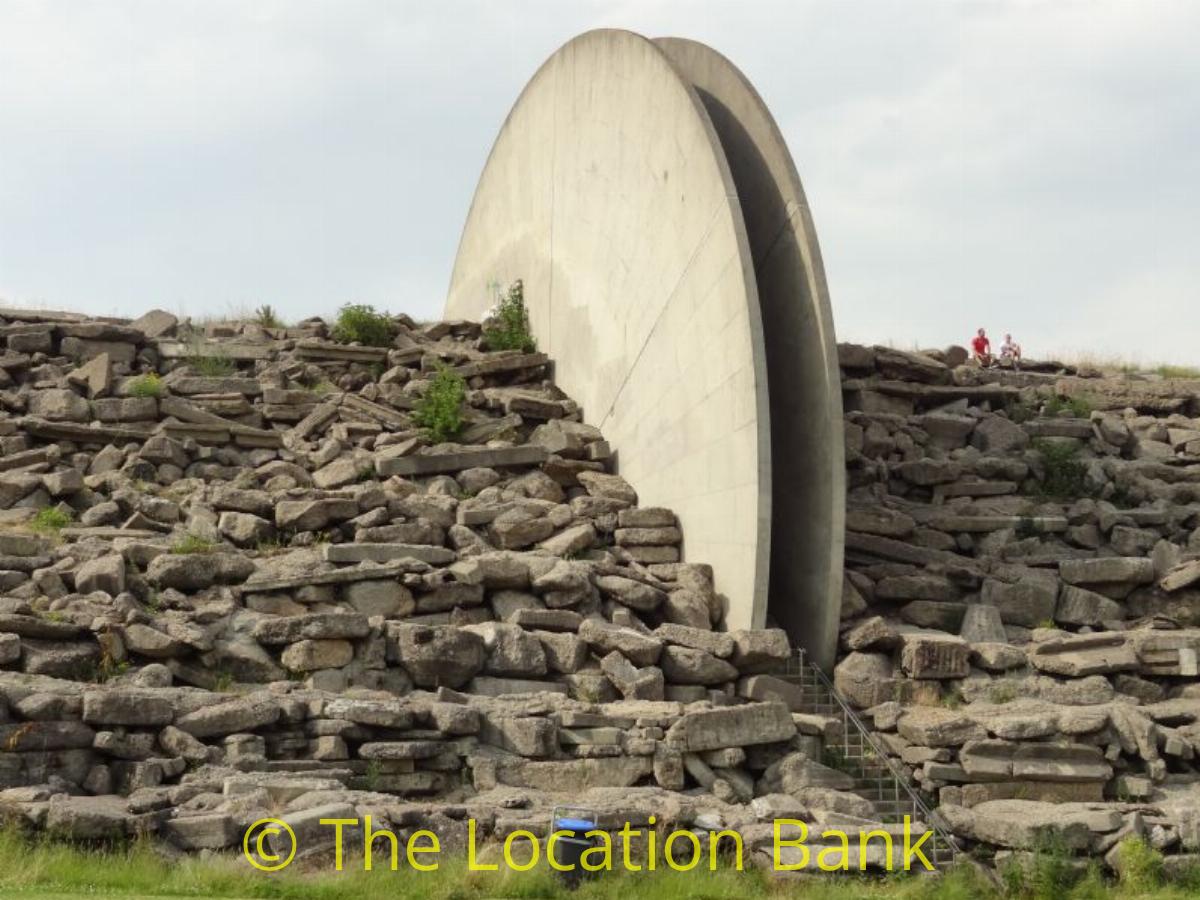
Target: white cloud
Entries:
(1025, 165)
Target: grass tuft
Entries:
(148, 385)
(190, 543)
(212, 365)
(265, 317)
(50, 520)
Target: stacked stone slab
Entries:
(1013, 646)
(275, 593)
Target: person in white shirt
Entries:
(1011, 350)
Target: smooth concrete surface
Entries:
(613, 192)
(607, 192)
(809, 475)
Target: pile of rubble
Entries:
(236, 578)
(1022, 594)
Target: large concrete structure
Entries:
(644, 195)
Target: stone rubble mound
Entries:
(223, 595)
(1021, 606)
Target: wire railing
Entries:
(799, 665)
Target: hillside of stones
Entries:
(1021, 607)
(237, 580)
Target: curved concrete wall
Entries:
(809, 475)
(613, 192)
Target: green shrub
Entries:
(507, 328)
(1027, 528)
(190, 543)
(1019, 411)
(212, 365)
(148, 385)
(1004, 692)
(50, 520)
(1063, 475)
(1139, 866)
(1076, 407)
(265, 316)
(360, 323)
(440, 409)
(1051, 873)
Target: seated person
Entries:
(982, 348)
(1011, 350)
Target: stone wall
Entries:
(272, 592)
(1022, 593)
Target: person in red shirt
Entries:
(982, 348)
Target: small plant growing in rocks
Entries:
(212, 365)
(507, 328)
(1063, 475)
(1002, 693)
(149, 385)
(359, 323)
(1027, 528)
(50, 520)
(224, 683)
(1139, 866)
(265, 317)
(1072, 407)
(190, 543)
(440, 410)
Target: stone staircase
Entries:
(852, 750)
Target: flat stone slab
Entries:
(228, 349)
(225, 384)
(93, 433)
(107, 533)
(327, 350)
(733, 726)
(1073, 428)
(356, 553)
(337, 576)
(983, 524)
(498, 687)
(501, 364)
(1181, 576)
(463, 459)
(376, 411)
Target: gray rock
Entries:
(311, 655)
(629, 592)
(437, 655)
(1030, 602)
(105, 573)
(59, 405)
(1108, 570)
(763, 650)
(996, 434)
(387, 598)
(313, 626)
(230, 717)
(604, 637)
(313, 515)
(864, 679)
(197, 571)
(511, 650)
(687, 665)
(116, 706)
(1078, 606)
(245, 529)
(733, 726)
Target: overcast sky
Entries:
(1026, 166)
